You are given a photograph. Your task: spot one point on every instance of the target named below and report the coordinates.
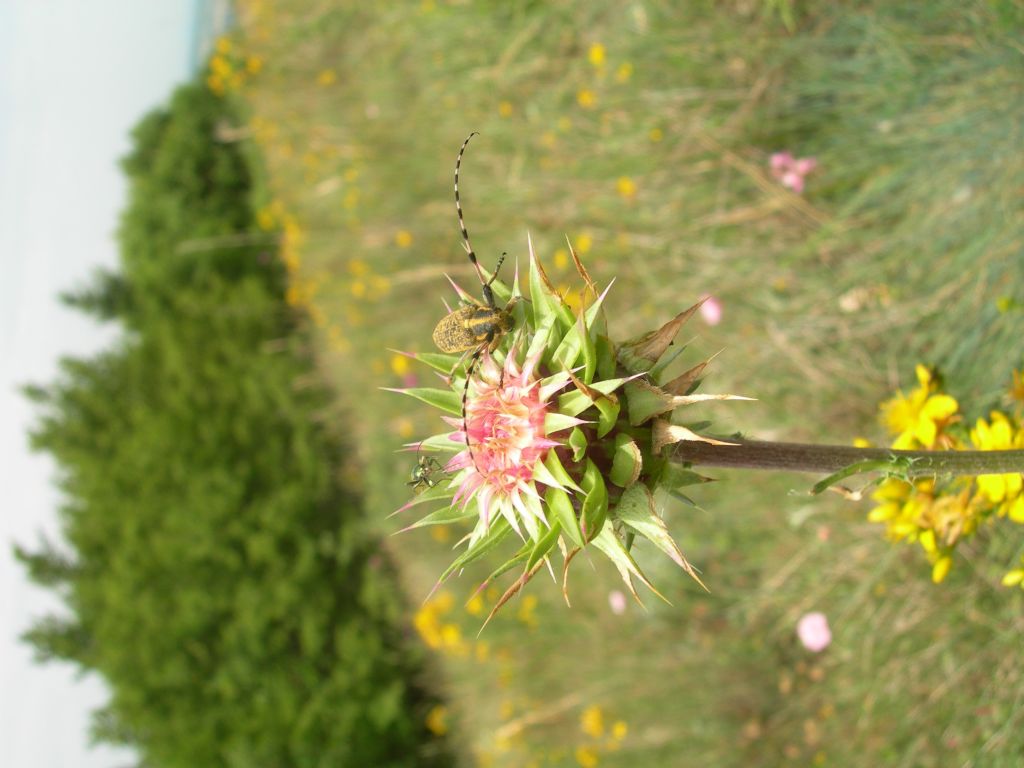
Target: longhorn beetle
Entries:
(476, 326)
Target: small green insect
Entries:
(477, 326)
(422, 476)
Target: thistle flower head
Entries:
(506, 441)
(559, 434)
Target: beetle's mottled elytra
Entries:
(477, 326)
(470, 326)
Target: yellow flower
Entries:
(403, 238)
(253, 64)
(586, 757)
(624, 72)
(526, 614)
(935, 517)
(265, 219)
(399, 365)
(998, 436)
(326, 77)
(505, 109)
(596, 54)
(506, 709)
(941, 568)
(439, 533)
(291, 260)
(592, 722)
(437, 720)
(892, 495)
(586, 98)
(381, 285)
(1014, 577)
(574, 298)
(655, 134)
(927, 540)
(220, 66)
(626, 187)
(339, 343)
(1013, 509)
(475, 606)
(952, 513)
(215, 84)
(293, 233)
(583, 243)
(917, 418)
(451, 639)
(619, 730)
(451, 634)
(428, 619)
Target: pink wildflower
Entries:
(505, 415)
(711, 311)
(814, 632)
(790, 171)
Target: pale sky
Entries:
(74, 77)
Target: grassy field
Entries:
(643, 132)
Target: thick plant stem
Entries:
(803, 457)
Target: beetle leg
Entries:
(488, 293)
(465, 398)
(451, 373)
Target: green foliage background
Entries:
(220, 576)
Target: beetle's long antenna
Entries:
(458, 210)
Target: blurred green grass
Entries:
(907, 238)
